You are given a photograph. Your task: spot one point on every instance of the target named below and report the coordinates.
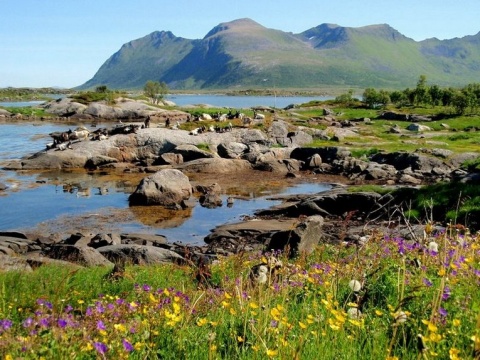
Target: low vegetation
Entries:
(385, 299)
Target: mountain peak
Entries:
(236, 25)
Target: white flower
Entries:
(400, 317)
(354, 313)
(355, 285)
(433, 246)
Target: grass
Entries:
(407, 290)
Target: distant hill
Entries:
(244, 54)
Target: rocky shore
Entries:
(170, 158)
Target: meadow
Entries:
(386, 298)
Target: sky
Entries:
(64, 42)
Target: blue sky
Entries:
(64, 42)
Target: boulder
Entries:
(191, 152)
(81, 255)
(216, 166)
(143, 239)
(168, 188)
(99, 160)
(418, 127)
(13, 263)
(302, 240)
(169, 159)
(139, 254)
(3, 187)
(231, 150)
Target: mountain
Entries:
(244, 54)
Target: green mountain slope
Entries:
(243, 53)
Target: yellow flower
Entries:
(213, 347)
(302, 325)
(352, 304)
(441, 272)
(456, 322)
(275, 314)
(272, 353)
(80, 301)
(232, 311)
(253, 305)
(202, 322)
(454, 353)
(225, 304)
(152, 297)
(255, 348)
(240, 339)
(378, 313)
(228, 296)
(8, 357)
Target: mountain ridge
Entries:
(242, 53)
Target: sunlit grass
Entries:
(387, 298)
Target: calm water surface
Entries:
(57, 199)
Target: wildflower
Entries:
(355, 285)
(253, 305)
(120, 327)
(100, 347)
(202, 322)
(456, 322)
(127, 345)
(213, 347)
(302, 325)
(354, 313)
(62, 323)
(271, 353)
(427, 282)
(453, 352)
(443, 312)
(400, 317)
(446, 293)
(378, 312)
(433, 246)
(101, 325)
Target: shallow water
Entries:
(71, 201)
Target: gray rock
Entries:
(139, 255)
(300, 241)
(418, 127)
(13, 263)
(191, 152)
(99, 160)
(3, 187)
(232, 150)
(314, 161)
(168, 188)
(169, 159)
(81, 255)
(216, 166)
(143, 239)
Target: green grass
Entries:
(308, 308)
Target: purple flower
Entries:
(89, 311)
(101, 325)
(446, 293)
(127, 345)
(44, 322)
(273, 323)
(146, 287)
(100, 347)
(68, 308)
(27, 322)
(443, 312)
(427, 282)
(6, 324)
(62, 323)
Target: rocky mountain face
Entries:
(243, 53)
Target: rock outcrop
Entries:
(168, 188)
